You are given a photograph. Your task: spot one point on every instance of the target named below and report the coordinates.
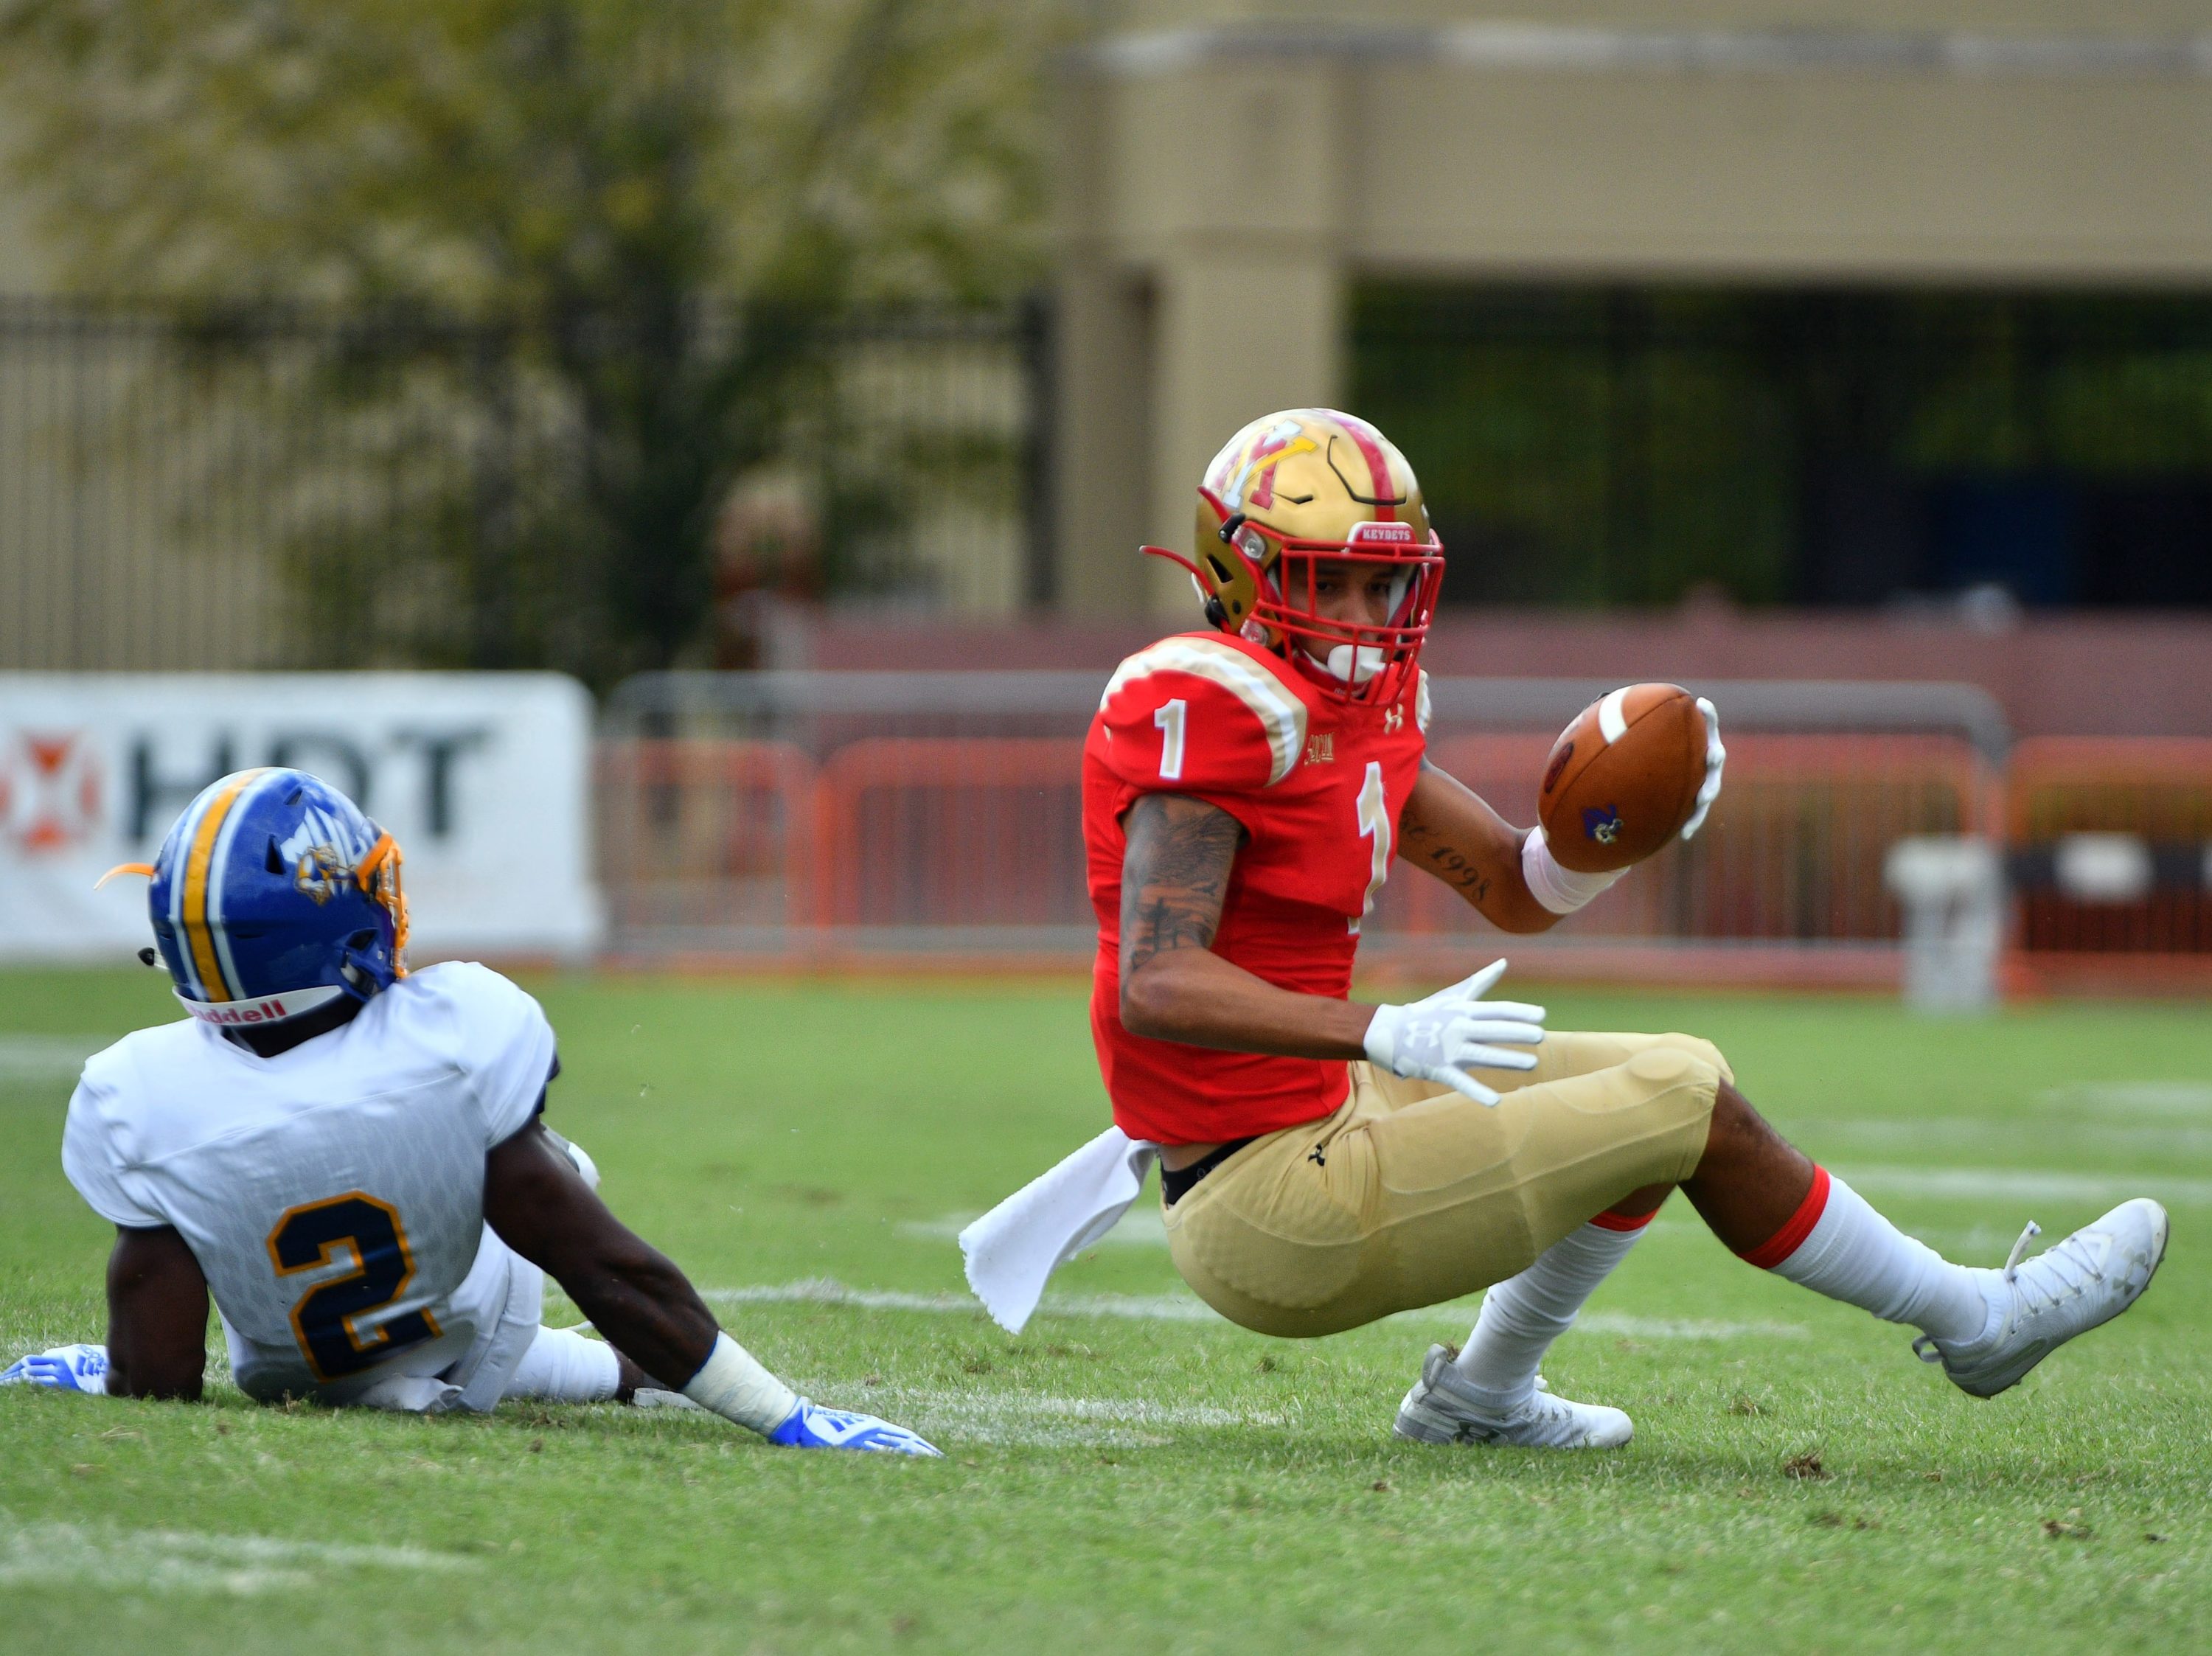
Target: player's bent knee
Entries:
(1701, 1049)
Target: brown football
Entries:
(1623, 778)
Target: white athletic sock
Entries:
(1838, 1246)
(562, 1365)
(732, 1383)
(1522, 1315)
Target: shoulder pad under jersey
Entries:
(1200, 713)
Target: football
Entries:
(1623, 778)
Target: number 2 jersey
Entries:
(333, 1194)
(1317, 786)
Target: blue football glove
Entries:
(65, 1368)
(812, 1427)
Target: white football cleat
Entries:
(1438, 1411)
(2068, 1290)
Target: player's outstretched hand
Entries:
(1454, 1030)
(65, 1368)
(812, 1427)
(1715, 757)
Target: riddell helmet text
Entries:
(271, 1010)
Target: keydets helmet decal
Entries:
(273, 895)
(1303, 488)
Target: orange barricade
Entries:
(1794, 851)
(2157, 790)
(752, 847)
(950, 831)
(703, 835)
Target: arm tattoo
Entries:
(1420, 843)
(1175, 874)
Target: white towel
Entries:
(1014, 1247)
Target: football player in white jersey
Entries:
(349, 1157)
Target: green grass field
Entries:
(1131, 1469)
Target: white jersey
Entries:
(333, 1194)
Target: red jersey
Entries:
(1318, 786)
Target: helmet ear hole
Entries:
(363, 939)
(273, 861)
(1220, 569)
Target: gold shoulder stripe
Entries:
(1282, 716)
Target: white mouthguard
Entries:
(1355, 668)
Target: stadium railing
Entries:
(934, 819)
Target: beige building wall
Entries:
(1232, 169)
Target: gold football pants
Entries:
(1412, 1194)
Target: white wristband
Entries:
(735, 1386)
(1561, 890)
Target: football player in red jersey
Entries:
(1325, 1163)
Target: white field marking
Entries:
(1033, 1420)
(1460, 1313)
(47, 1058)
(1141, 1227)
(182, 1560)
(2094, 1140)
(1189, 1308)
(2030, 1185)
(2132, 1097)
(822, 1290)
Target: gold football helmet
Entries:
(1303, 488)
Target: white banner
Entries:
(483, 778)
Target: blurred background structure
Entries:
(1852, 357)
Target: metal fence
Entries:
(269, 487)
(935, 816)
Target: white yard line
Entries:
(2028, 1185)
(46, 1058)
(2094, 1140)
(822, 1290)
(1188, 1308)
(1031, 1420)
(44, 1554)
(2133, 1097)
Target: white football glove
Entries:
(65, 1369)
(1454, 1029)
(1715, 757)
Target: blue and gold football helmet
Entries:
(272, 895)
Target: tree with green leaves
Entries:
(578, 247)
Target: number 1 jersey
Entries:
(1317, 786)
(333, 1194)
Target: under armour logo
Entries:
(1314, 1156)
(1392, 718)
